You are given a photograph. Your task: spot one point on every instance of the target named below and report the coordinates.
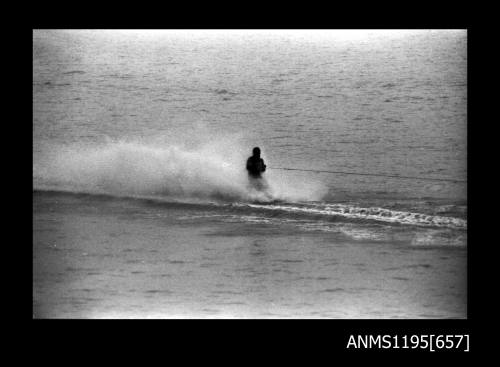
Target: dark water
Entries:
(142, 206)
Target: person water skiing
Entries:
(255, 164)
(255, 167)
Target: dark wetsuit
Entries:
(255, 166)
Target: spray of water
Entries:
(180, 167)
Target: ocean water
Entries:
(141, 202)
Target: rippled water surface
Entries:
(141, 202)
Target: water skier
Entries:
(255, 168)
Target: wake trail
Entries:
(353, 212)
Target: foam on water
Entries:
(376, 214)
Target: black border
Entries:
(269, 15)
(250, 336)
